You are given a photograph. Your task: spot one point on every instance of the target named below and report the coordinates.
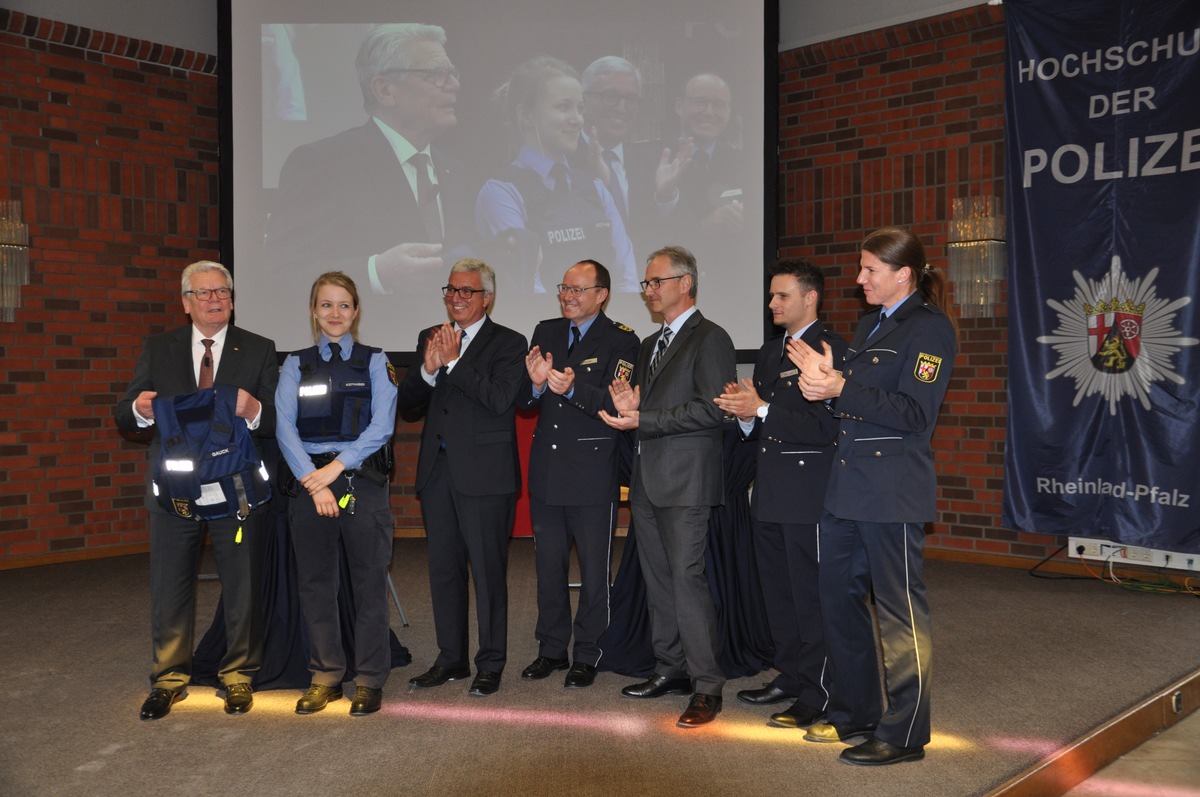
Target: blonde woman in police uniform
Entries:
(881, 493)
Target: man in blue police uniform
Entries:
(573, 467)
(465, 381)
(795, 440)
(207, 351)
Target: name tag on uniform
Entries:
(590, 361)
(786, 374)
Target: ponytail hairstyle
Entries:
(899, 247)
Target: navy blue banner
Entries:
(1103, 184)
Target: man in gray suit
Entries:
(677, 478)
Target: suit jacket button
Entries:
(875, 361)
(879, 453)
(802, 463)
(553, 447)
(843, 463)
(445, 411)
(763, 450)
(850, 372)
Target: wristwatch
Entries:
(761, 412)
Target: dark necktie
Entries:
(558, 174)
(427, 194)
(700, 163)
(335, 352)
(614, 182)
(574, 339)
(663, 342)
(206, 365)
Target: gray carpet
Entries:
(1022, 666)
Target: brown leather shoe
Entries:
(700, 711)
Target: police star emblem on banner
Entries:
(1117, 337)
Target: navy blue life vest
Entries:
(571, 226)
(208, 468)
(334, 402)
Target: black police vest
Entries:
(334, 402)
(571, 225)
(208, 468)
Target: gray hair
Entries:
(388, 47)
(609, 65)
(683, 262)
(200, 267)
(486, 276)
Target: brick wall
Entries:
(111, 144)
(888, 127)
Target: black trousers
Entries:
(786, 554)
(175, 545)
(467, 532)
(554, 529)
(856, 558)
(366, 539)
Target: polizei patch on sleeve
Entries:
(624, 370)
(928, 367)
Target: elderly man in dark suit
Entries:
(465, 381)
(573, 467)
(677, 478)
(207, 351)
(795, 440)
(380, 202)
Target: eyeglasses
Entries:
(563, 290)
(465, 293)
(204, 294)
(612, 98)
(438, 76)
(700, 104)
(656, 282)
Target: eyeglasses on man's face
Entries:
(571, 290)
(439, 76)
(204, 294)
(465, 293)
(657, 282)
(612, 98)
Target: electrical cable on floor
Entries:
(1162, 585)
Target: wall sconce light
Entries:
(976, 254)
(14, 258)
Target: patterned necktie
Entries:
(614, 182)
(206, 365)
(427, 202)
(663, 343)
(574, 339)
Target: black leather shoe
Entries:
(436, 676)
(485, 683)
(765, 696)
(317, 697)
(542, 667)
(657, 686)
(701, 710)
(825, 732)
(366, 701)
(158, 704)
(798, 716)
(580, 675)
(239, 698)
(877, 753)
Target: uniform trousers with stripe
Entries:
(859, 557)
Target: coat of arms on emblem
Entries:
(927, 367)
(1114, 332)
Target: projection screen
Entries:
(315, 182)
